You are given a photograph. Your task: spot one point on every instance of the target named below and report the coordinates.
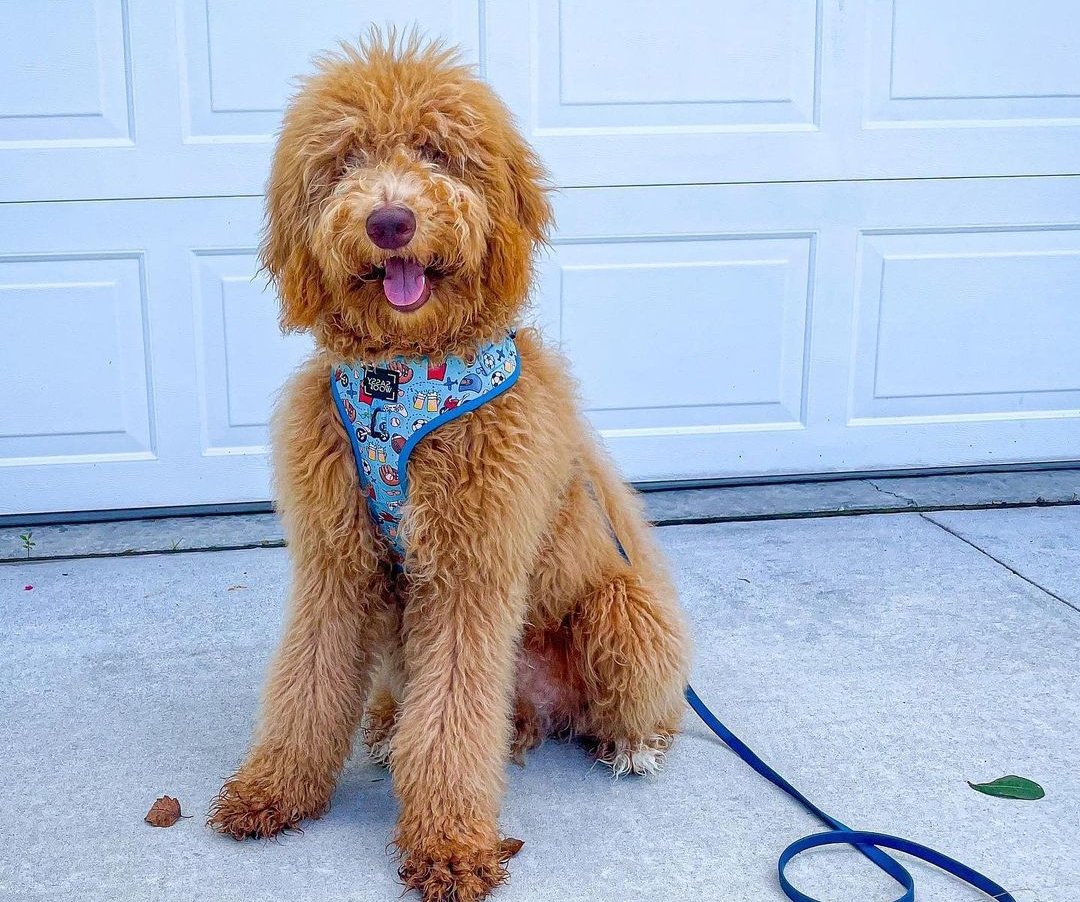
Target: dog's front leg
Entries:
(461, 630)
(314, 697)
(451, 743)
(338, 612)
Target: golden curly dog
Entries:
(517, 617)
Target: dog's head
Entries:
(403, 205)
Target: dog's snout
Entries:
(391, 227)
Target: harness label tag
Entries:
(381, 383)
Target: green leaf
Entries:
(1011, 787)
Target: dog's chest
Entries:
(388, 407)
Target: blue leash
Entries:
(869, 844)
(839, 834)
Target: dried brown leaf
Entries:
(509, 847)
(164, 812)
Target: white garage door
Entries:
(793, 236)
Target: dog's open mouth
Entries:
(406, 283)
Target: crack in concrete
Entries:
(999, 561)
(910, 502)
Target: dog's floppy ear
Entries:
(284, 252)
(522, 216)
(299, 286)
(528, 182)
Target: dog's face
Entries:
(403, 206)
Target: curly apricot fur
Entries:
(513, 580)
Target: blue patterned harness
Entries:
(389, 406)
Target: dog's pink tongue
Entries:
(404, 281)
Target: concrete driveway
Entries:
(878, 661)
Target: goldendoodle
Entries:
(467, 564)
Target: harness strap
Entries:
(869, 844)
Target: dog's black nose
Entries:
(391, 227)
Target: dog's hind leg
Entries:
(338, 612)
(384, 703)
(379, 725)
(630, 650)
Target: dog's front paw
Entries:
(251, 807)
(457, 874)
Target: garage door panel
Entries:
(65, 72)
(621, 94)
(75, 359)
(1016, 63)
(645, 67)
(968, 323)
(242, 357)
(670, 335)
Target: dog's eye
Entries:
(429, 153)
(353, 159)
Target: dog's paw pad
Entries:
(641, 758)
